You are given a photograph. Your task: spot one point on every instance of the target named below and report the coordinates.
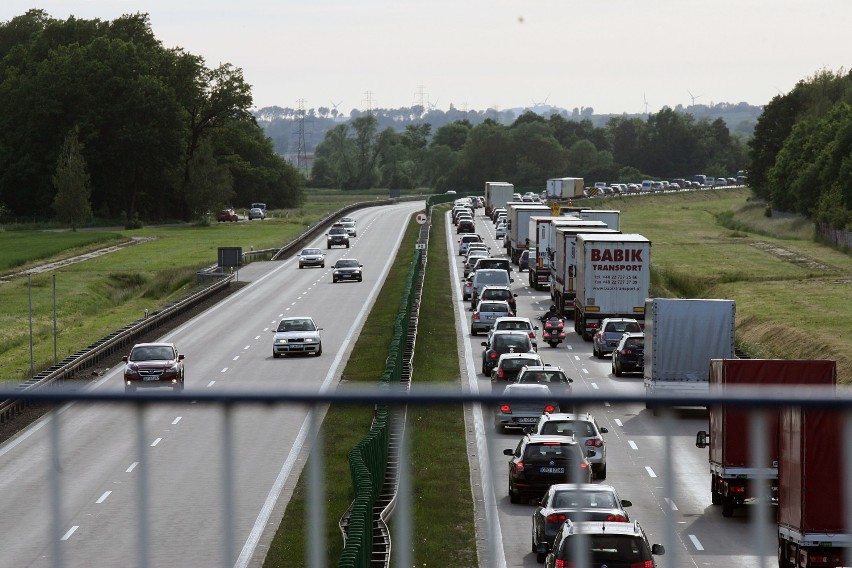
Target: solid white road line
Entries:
(650, 471)
(155, 442)
(176, 420)
(132, 467)
(671, 504)
(103, 497)
(632, 444)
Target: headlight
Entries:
(281, 341)
(309, 340)
(130, 371)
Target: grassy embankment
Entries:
(437, 433)
(794, 296)
(96, 297)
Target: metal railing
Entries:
(755, 400)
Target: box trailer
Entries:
(562, 189)
(812, 482)
(563, 259)
(497, 194)
(611, 217)
(613, 279)
(681, 337)
(733, 471)
(518, 236)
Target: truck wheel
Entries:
(728, 503)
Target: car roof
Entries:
(290, 318)
(532, 390)
(157, 344)
(543, 368)
(568, 416)
(519, 356)
(605, 527)
(506, 332)
(541, 438)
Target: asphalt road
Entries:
(652, 460)
(113, 486)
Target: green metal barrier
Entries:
(369, 459)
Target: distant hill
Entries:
(282, 124)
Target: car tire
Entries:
(728, 506)
(601, 354)
(514, 498)
(715, 496)
(301, 266)
(360, 279)
(347, 245)
(319, 351)
(601, 473)
(540, 557)
(275, 355)
(322, 265)
(333, 280)
(473, 331)
(615, 370)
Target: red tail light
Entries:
(646, 564)
(595, 442)
(736, 489)
(476, 316)
(557, 518)
(505, 409)
(532, 335)
(627, 351)
(616, 518)
(550, 408)
(563, 564)
(492, 355)
(519, 467)
(500, 374)
(592, 325)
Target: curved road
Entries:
(154, 496)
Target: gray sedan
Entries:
(296, 335)
(516, 414)
(486, 313)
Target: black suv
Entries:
(541, 461)
(504, 342)
(605, 544)
(629, 355)
(337, 235)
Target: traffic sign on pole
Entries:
(421, 218)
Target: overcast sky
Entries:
(612, 55)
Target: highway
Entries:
(113, 486)
(672, 505)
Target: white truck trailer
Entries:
(681, 337)
(518, 237)
(611, 217)
(497, 194)
(563, 260)
(562, 189)
(613, 279)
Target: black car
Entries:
(499, 293)
(465, 226)
(504, 342)
(346, 269)
(337, 236)
(541, 461)
(614, 545)
(629, 355)
(577, 502)
(508, 367)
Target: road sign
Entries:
(420, 246)
(421, 218)
(554, 209)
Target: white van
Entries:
(647, 185)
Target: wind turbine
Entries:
(433, 105)
(541, 104)
(335, 105)
(646, 102)
(693, 97)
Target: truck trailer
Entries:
(611, 217)
(518, 237)
(681, 337)
(613, 279)
(497, 194)
(733, 472)
(563, 260)
(563, 189)
(812, 529)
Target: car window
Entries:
(585, 499)
(493, 307)
(156, 353)
(538, 453)
(347, 263)
(519, 342)
(634, 342)
(512, 363)
(581, 429)
(618, 548)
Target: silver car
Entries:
(518, 414)
(311, 257)
(486, 313)
(296, 335)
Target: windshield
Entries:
(296, 325)
(622, 549)
(152, 353)
(544, 377)
(347, 264)
(584, 499)
(307, 252)
(581, 429)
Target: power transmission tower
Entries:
(369, 101)
(301, 156)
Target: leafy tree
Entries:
(366, 154)
(452, 135)
(209, 185)
(72, 183)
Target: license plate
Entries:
(526, 420)
(151, 378)
(551, 470)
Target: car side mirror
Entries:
(319, 329)
(604, 431)
(508, 452)
(626, 503)
(702, 440)
(180, 356)
(484, 344)
(591, 453)
(124, 358)
(658, 549)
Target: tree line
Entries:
(801, 152)
(533, 148)
(144, 132)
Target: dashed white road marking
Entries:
(671, 504)
(210, 384)
(71, 531)
(595, 386)
(176, 420)
(607, 404)
(585, 371)
(103, 497)
(257, 336)
(155, 442)
(224, 370)
(696, 542)
(246, 347)
(235, 358)
(650, 471)
(632, 444)
(577, 357)
(618, 422)
(132, 467)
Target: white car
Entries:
(298, 334)
(311, 257)
(501, 230)
(349, 224)
(584, 428)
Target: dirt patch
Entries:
(793, 257)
